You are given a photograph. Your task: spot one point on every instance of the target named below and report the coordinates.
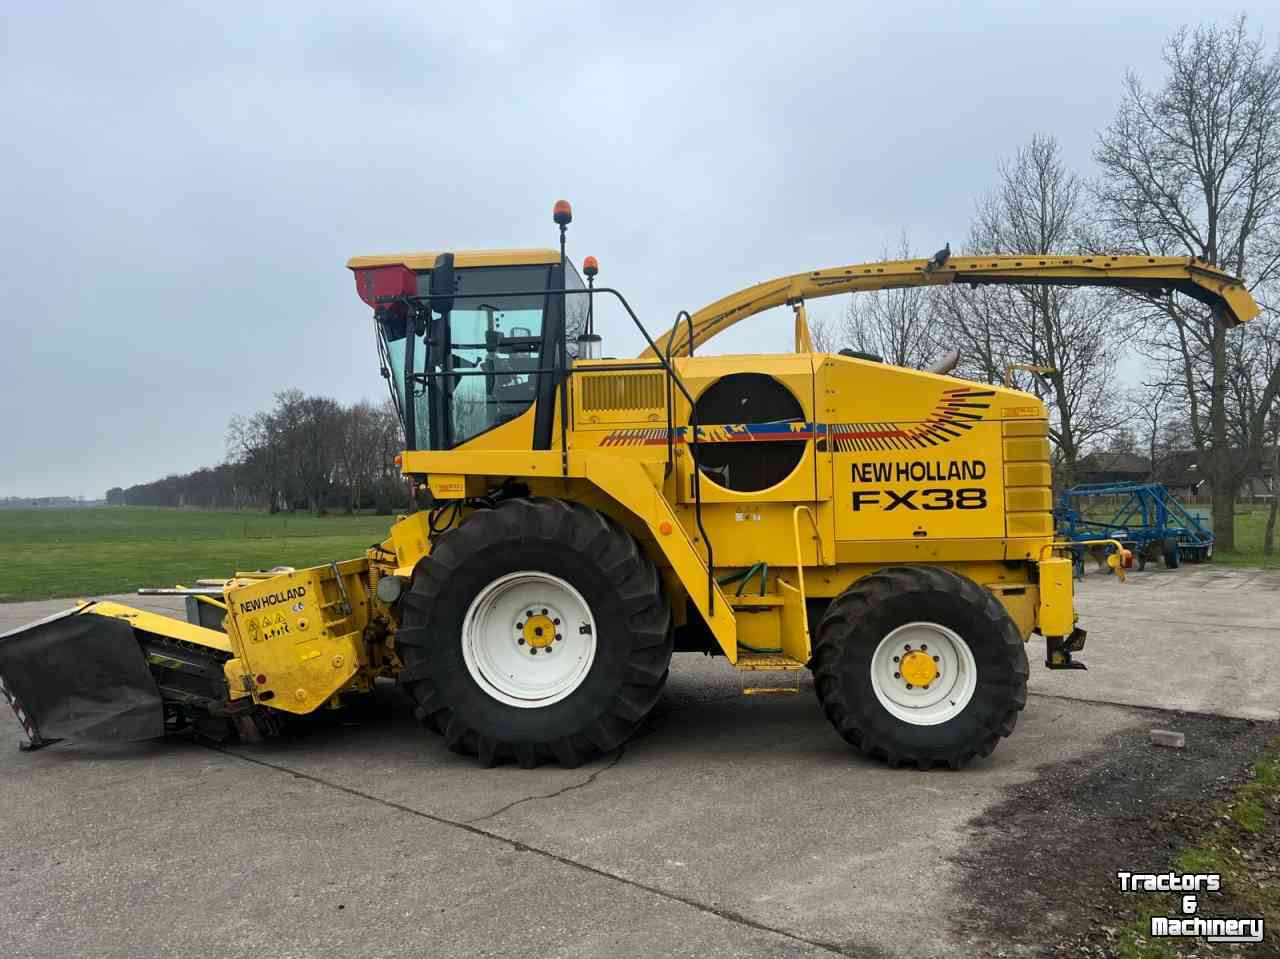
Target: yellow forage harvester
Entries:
(888, 529)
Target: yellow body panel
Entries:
(410, 539)
(297, 637)
(628, 485)
(1056, 617)
(898, 466)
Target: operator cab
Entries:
(486, 330)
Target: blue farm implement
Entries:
(1147, 519)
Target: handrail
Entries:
(671, 340)
(671, 395)
(692, 444)
(1119, 554)
(795, 525)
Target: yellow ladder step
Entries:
(769, 690)
(773, 662)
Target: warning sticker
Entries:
(274, 626)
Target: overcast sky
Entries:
(181, 184)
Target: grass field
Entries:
(47, 553)
(1251, 523)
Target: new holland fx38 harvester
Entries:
(889, 529)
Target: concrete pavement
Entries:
(1201, 638)
(732, 825)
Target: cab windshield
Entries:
(480, 368)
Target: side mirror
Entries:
(443, 284)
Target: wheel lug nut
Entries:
(924, 646)
(925, 686)
(519, 625)
(530, 612)
(533, 652)
(520, 641)
(935, 659)
(897, 675)
(895, 659)
(544, 612)
(555, 622)
(908, 646)
(558, 637)
(909, 686)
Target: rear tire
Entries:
(900, 609)
(465, 665)
(1171, 552)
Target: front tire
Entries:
(535, 631)
(922, 666)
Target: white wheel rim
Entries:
(506, 660)
(938, 701)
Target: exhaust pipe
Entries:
(945, 363)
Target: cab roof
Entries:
(461, 259)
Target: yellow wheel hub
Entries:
(539, 631)
(918, 668)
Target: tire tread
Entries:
(600, 541)
(866, 725)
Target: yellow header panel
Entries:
(162, 625)
(461, 259)
(915, 457)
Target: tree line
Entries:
(1187, 167)
(305, 452)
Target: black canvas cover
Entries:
(81, 676)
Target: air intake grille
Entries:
(622, 391)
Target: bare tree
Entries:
(1039, 208)
(894, 324)
(1123, 440)
(358, 452)
(822, 334)
(317, 443)
(252, 444)
(1150, 407)
(973, 321)
(1269, 534)
(1193, 168)
(576, 309)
